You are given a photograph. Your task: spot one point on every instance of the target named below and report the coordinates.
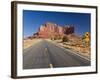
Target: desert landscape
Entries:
(61, 36)
(56, 39)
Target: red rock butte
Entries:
(49, 30)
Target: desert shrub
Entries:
(86, 39)
(65, 39)
(55, 38)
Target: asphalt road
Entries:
(45, 54)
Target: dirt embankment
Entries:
(29, 42)
(75, 47)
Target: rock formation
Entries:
(49, 30)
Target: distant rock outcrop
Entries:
(49, 30)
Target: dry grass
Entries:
(80, 49)
(85, 51)
(29, 42)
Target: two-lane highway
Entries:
(45, 54)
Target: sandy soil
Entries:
(29, 42)
(85, 51)
(80, 49)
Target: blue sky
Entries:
(33, 19)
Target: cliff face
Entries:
(49, 30)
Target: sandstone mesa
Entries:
(49, 30)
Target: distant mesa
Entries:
(49, 30)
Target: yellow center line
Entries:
(51, 65)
